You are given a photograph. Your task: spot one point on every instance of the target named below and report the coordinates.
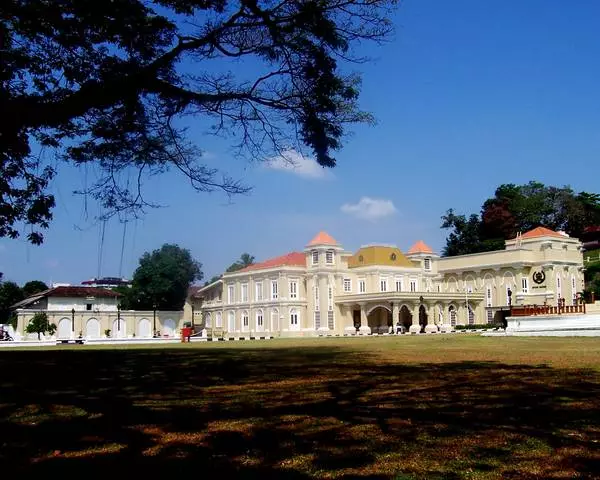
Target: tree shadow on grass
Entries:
(277, 413)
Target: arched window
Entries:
(259, 320)
(208, 321)
(245, 320)
(488, 295)
(452, 314)
(231, 321)
(218, 320)
(274, 320)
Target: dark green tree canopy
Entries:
(245, 260)
(32, 287)
(162, 279)
(519, 208)
(10, 293)
(107, 83)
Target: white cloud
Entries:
(294, 162)
(369, 208)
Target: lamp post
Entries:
(119, 318)
(73, 320)
(467, 305)
(154, 321)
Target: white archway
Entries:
(144, 330)
(208, 321)
(169, 328)
(382, 305)
(116, 332)
(65, 330)
(92, 328)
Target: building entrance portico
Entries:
(380, 319)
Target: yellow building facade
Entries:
(325, 290)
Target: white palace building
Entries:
(325, 290)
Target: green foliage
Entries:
(10, 293)
(39, 324)
(213, 279)
(32, 287)
(519, 208)
(107, 84)
(126, 300)
(245, 260)
(477, 326)
(163, 278)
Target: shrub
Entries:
(477, 326)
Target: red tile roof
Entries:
(541, 232)
(420, 247)
(67, 292)
(323, 238)
(293, 259)
(80, 292)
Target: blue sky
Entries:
(470, 94)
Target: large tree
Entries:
(163, 278)
(108, 84)
(10, 293)
(244, 261)
(32, 287)
(519, 208)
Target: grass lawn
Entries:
(436, 407)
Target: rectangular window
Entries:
(317, 320)
(490, 316)
(508, 297)
(383, 285)
(330, 323)
(315, 257)
(316, 298)
(488, 296)
(330, 298)
(362, 286)
(471, 316)
(258, 291)
(244, 292)
(230, 293)
(398, 284)
(293, 289)
(413, 285)
(427, 263)
(347, 285)
(524, 285)
(329, 257)
(274, 290)
(88, 306)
